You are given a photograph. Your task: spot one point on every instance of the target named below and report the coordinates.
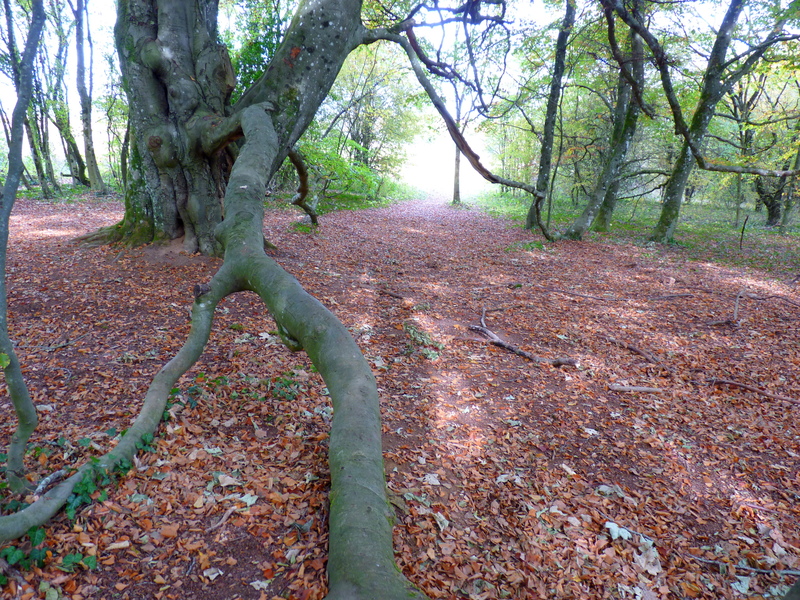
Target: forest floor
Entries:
(511, 478)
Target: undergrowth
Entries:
(704, 233)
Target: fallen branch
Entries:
(224, 518)
(497, 341)
(735, 320)
(648, 357)
(392, 294)
(753, 389)
(566, 293)
(670, 296)
(719, 563)
(634, 388)
(49, 481)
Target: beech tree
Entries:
(187, 177)
(721, 73)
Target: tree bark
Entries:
(602, 200)
(95, 178)
(24, 409)
(457, 177)
(271, 116)
(770, 192)
(546, 153)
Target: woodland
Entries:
(243, 361)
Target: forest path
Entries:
(505, 472)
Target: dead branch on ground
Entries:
(566, 293)
(635, 388)
(670, 296)
(392, 294)
(735, 320)
(741, 567)
(753, 389)
(647, 356)
(494, 339)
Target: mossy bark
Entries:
(271, 117)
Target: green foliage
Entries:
(72, 561)
(422, 342)
(285, 387)
(31, 551)
(258, 31)
(146, 443)
(5, 360)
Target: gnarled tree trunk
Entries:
(155, 36)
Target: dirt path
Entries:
(510, 478)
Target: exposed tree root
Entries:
(302, 191)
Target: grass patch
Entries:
(705, 232)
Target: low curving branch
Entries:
(46, 506)
(474, 159)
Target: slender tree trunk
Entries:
(95, 179)
(36, 153)
(602, 200)
(18, 391)
(546, 154)
(457, 178)
(603, 220)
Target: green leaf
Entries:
(14, 555)
(37, 535)
(90, 562)
(5, 360)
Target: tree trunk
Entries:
(457, 178)
(24, 409)
(36, 153)
(626, 114)
(770, 193)
(95, 179)
(602, 221)
(714, 86)
(546, 154)
(673, 194)
(178, 79)
(271, 116)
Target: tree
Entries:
(56, 90)
(81, 11)
(602, 200)
(720, 74)
(179, 79)
(546, 156)
(18, 391)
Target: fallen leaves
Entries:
(510, 480)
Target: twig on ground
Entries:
(753, 389)
(719, 563)
(55, 347)
(634, 349)
(224, 518)
(547, 289)
(670, 296)
(49, 481)
(635, 388)
(735, 320)
(392, 294)
(495, 339)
